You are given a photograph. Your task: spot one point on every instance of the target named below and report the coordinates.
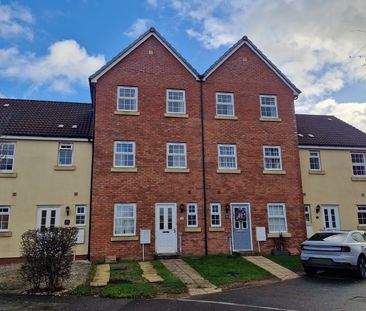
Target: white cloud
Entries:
(138, 27)
(153, 3)
(65, 64)
(15, 21)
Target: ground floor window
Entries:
(4, 218)
(277, 217)
(361, 213)
(307, 213)
(80, 215)
(215, 215)
(192, 215)
(125, 219)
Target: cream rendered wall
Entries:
(38, 183)
(334, 187)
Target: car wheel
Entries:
(310, 271)
(361, 267)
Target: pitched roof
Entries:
(258, 52)
(151, 32)
(329, 131)
(45, 118)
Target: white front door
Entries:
(330, 217)
(166, 228)
(48, 217)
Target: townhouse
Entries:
(333, 169)
(45, 170)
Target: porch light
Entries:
(67, 210)
(317, 209)
(181, 208)
(227, 208)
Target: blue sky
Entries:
(49, 48)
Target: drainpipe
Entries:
(203, 165)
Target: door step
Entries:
(166, 256)
(247, 253)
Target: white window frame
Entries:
(307, 211)
(314, 157)
(232, 102)
(279, 156)
(115, 218)
(175, 100)
(226, 156)
(359, 164)
(127, 153)
(195, 213)
(362, 211)
(80, 214)
(4, 214)
(262, 105)
(60, 145)
(172, 154)
(122, 97)
(285, 217)
(9, 157)
(215, 213)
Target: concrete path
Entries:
(102, 275)
(149, 272)
(196, 284)
(272, 267)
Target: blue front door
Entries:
(240, 220)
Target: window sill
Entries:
(274, 172)
(217, 117)
(227, 171)
(124, 238)
(314, 172)
(124, 169)
(5, 234)
(177, 170)
(362, 228)
(277, 235)
(176, 115)
(192, 229)
(65, 168)
(127, 113)
(358, 178)
(8, 175)
(270, 119)
(216, 229)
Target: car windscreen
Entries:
(329, 237)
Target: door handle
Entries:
(174, 230)
(165, 231)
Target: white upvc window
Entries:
(80, 215)
(65, 152)
(124, 219)
(268, 105)
(176, 155)
(277, 221)
(227, 158)
(361, 214)
(124, 154)
(307, 213)
(127, 99)
(176, 101)
(7, 157)
(4, 218)
(225, 104)
(272, 158)
(314, 160)
(215, 214)
(358, 164)
(192, 219)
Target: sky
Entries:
(48, 49)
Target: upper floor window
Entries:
(176, 155)
(125, 219)
(4, 218)
(272, 158)
(124, 154)
(314, 160)
(227, 157)
(215, 215)
(127, 98)
(192, 215)
(65, 154)
(268, 106)
(277, 217)
(80, 215)
(7, 157)
(175, 101)
(225, 104)
(358, 164)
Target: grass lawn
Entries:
(225, 269)
(290, 262)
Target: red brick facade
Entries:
(153, 69)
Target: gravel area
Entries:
(12, 282)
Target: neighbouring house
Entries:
(333, 169)
(199, 161)
(45, 170)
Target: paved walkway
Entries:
(196, 284)
(149, 272)
(272, 267)
(102, 275)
